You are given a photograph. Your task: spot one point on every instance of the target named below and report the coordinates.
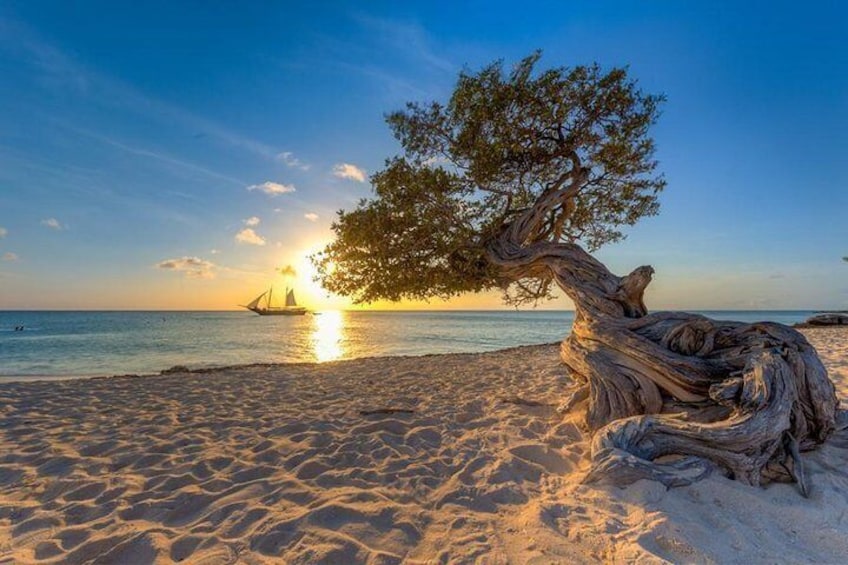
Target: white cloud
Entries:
(252, 221)
(348, 171)
(52, 223)
(9, 256)
(247, 235)
(311, 216)
(3, 232)
(214, 251)
(272, 188)
(192, 267)
(288, 158)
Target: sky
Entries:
(178, 155)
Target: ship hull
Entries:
(280, 312)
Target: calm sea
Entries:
(109, 343)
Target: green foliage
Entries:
(503, 142)
(408, 242)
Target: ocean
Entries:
(61, 344)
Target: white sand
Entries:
(276, 464)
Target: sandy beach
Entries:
(435, 459)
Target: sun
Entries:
(313, 295)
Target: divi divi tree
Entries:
(506, 186)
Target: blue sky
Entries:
(139, 143)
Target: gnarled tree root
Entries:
(675, 396)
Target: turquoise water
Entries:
(108, 343)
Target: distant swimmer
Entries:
(19, 328)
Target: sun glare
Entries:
(313, 294)
(328, 335)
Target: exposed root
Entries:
(780, 401)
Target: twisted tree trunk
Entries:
(672, 396)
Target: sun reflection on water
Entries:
(327, 335)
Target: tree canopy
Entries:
(572, 142)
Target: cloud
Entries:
(411, 47)
(192, 267)
(247, 235)
(214, 251)
(3, 232)
(288, 158)
(252, 221)
(272, 188)
(311, 216)
(52, 223)
(409, 39)
(348, 171)
(287, 271)
(9, 256)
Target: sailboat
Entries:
(290, 309)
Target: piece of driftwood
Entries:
(827, 319)
(384, 411)
(517, 400)
(747, 399)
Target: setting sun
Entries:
(313, 294)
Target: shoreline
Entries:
(384, 460)
(38, 378)
(240, 366)
(183, 368)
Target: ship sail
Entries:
(290, 301)
(255, 302)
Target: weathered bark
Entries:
(672, 396)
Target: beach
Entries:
(427, 459)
